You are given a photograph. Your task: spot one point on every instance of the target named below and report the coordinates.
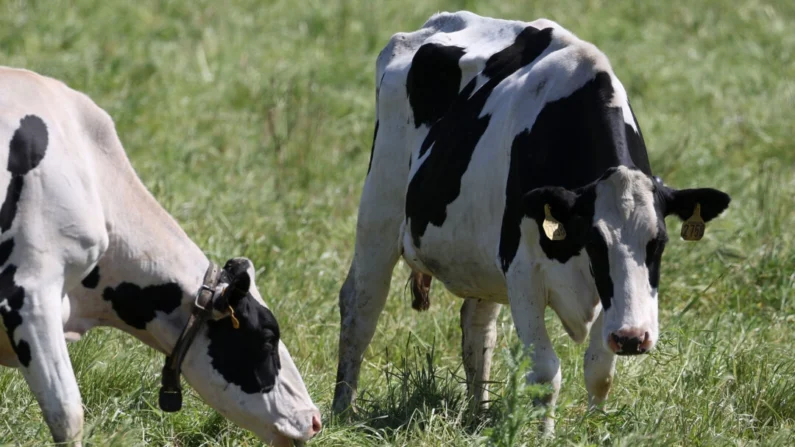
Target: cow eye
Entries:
(270, 342)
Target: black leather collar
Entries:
(171, 390)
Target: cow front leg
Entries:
(599, 365)
(478, 338)
(361, 300)
(528, 301)
(31, 313)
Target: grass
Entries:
(251, 122)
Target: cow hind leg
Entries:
(478, 338)
(599, 366)
(31, 313)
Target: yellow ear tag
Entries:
(235, 323)
(552, 228)
(693, 227)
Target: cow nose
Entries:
(631, 341)
(316, 425)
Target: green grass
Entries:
(251, 123)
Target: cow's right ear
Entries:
(560, 202)
(561, 213)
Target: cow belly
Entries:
(466, 269)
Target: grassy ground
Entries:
(251, 123)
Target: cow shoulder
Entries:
(455, 113)
(573, 123)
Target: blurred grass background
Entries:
(251, 122)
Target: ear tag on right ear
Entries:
(693, 227)
(552, 228)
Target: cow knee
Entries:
(347, 295)
(65, 422)
(598, 388)
(546, 370)
(599, 369)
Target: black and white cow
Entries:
(485, 130)
(84, 244)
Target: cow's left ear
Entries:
(683, 202)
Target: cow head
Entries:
(620, 221)
(239, 365)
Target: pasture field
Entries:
(251, 122)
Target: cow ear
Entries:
(561, 203)
(556, 209)
(238, 288)
(683, 202)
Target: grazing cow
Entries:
(508, 164)
(84, 244)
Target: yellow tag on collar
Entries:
(235, 323)
(693, 227)
(552, 228)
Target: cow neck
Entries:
(150, 263)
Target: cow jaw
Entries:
(284, 414)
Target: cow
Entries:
(83, 243)
(508, 164)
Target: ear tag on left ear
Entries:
(693, 227)
(235, 323)
(552, 228)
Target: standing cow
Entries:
(508, 164)
(84, 244)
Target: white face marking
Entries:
(626, 219)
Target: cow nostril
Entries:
(629, 342)
(316, 425)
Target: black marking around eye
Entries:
(655, 247)
(654, 251)
(600, 267)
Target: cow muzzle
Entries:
(630, 341)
